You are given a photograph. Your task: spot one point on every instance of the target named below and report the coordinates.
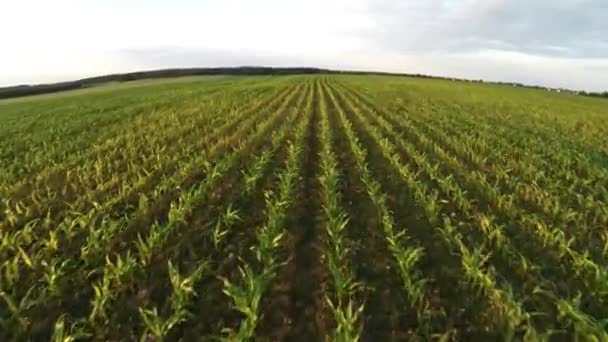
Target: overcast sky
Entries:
(562, 43)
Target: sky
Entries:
(556, 43)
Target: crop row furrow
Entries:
(406, 253)
(249, 288)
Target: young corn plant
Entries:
(585, 328)
(159, 327)
(246, 293)
(345, 312)
(223, 224)
(16, 318)
(54, 276)
(252, 180)
(256, 172)
(511, 317)
(116, 278)
(10, 273)
(69, 332)
(406, 257)
(246, 297)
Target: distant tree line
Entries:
(25, 90)
(585, 93)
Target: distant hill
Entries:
(26, 90)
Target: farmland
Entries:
(325, 207)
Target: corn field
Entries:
(307, 208)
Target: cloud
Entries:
(556, 43)
(564, 28)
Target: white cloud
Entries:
(557, 43)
